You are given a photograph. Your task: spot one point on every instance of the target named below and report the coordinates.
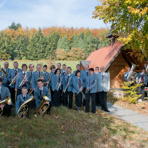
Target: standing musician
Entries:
(126, 74)
(3, 77)
(56, 87)
(21, 99)
(7, 69)
(97, 96)
(91, 86)
(39, 92)
(142, 79)
(22, 80)
(63, 73)
(85, 74)
(30, 74)
(52, 68)
(46, 75)
(67, 89)
(36, 76)
(78, 68)
(59, 66)
(103, 86)
(4, 92)
(12, 75)
(77, 88)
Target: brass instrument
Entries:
(132, 75)
(41, 76)
(23, 110)
(67, 85)
(14, 80)
(41, 110)
(7, 101)
(48, 80)
(1, 75)
(23, 81)
(60, 83)
(2, 70)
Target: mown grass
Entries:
(66, 128)
(72, 64)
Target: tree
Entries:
(63, 43)
(130, 19)
(14, 26)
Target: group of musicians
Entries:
(59, 86)
(141, 78)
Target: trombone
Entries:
(13, 81)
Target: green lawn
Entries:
(66, 128)
(72, 64)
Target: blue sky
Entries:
(46, 13)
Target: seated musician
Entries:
(39, 92)
(142, 79)
(21, 99)
(91, 86)
(4, 92)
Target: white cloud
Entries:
(46, 13)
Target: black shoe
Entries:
(106, 110)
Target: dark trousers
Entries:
(52, 93)
(19, 91)
(141, 90)
(68, 99)
(61, 97)
(93, 102)
(12, 91)
(97, 99)
(7, 110)
(84, 101)
(32, 103)
(103, 100)
(78, 98)
(56, 99)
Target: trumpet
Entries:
(7, 101)
(14, 80)
(2, 70)
(41, 110)
(23, 81)
(23, 110)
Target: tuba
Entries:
(132, 75)
(7, 101)
(41, 110)
(23, 110)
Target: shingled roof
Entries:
(104, 56)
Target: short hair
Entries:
(143, 68)
(25, 88)
(6, 62)
(77, 72)
(97, 67)
(30, 65)
(51, 67)
(1, 80)
(64, 64)
(45, 66)
(91, 69)
(15, 62)
(57, 70)
(77, 65)
(58, 63)
(69, 68)
(39, 80)
(38, 65)
(24, 65)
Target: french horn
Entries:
(41, 110)
(6, 101)
(23, 110)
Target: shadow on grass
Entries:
(69, 128)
